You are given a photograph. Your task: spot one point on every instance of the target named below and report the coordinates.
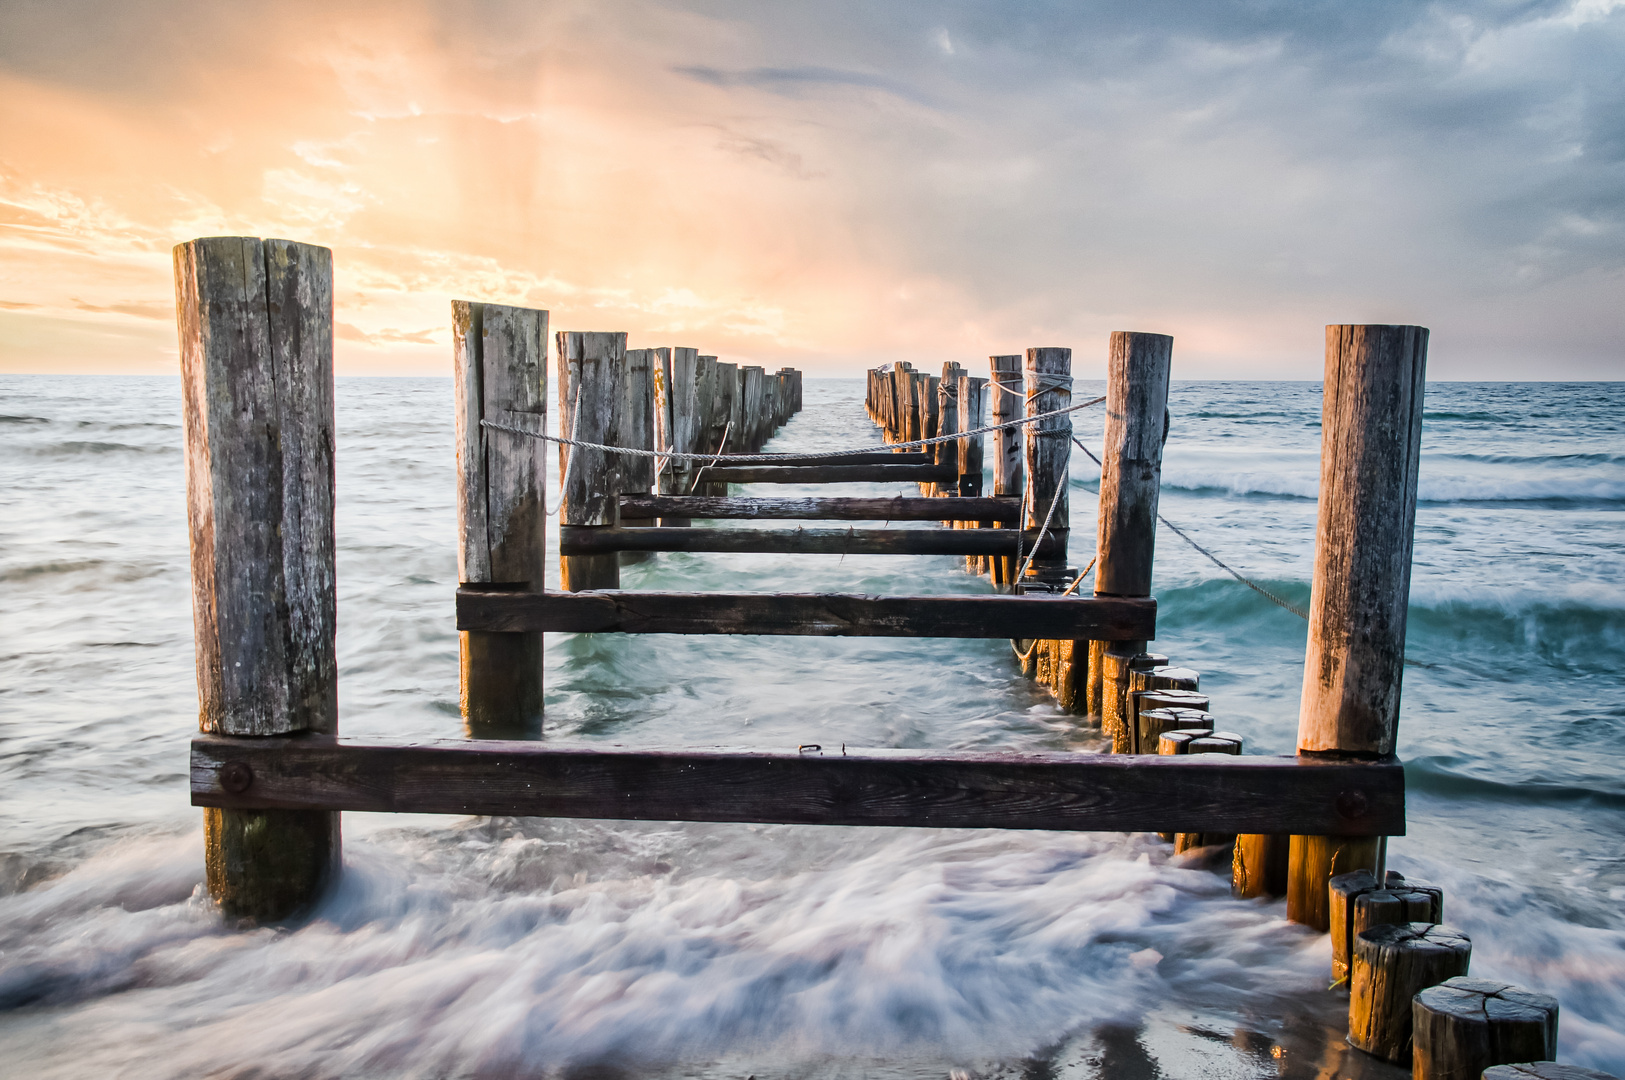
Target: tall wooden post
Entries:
(947, 424)
(591, 367)
(256, 345)
(1009, 477)
(968, 453)
(635, 427)
(751, 411)
(1137, 374)
(1046, 446)
(721, 436)
(1370, 447)
(499, 359)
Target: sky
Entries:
(834, 185)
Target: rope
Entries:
(1079, 579)
(770, 458)
(1220, 563)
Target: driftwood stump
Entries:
(1464, 1026)
(1392, 964)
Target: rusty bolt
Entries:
(1352, 805)
(236, 776)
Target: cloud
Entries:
(842, 183)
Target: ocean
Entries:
(525, 947)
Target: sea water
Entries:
(502, 947)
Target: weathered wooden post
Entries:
(1046, 451)
(1392, 964)
(721, 436)
(1464, 1027)
(256, 345)
(947, 424)
(972, 415)
(752, 410)
(1009, 478)
(591, 366)
(499, 360)
(1137, 372)
(635, 424)
(1371, 434)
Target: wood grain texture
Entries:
(1465, 1026)
(807, 614)
(1005, 396)
(1371, 431)
(1258, 866)
(500, 365)
(1046, 451)
(1392, 964)
(897, 508)
(637, 420)
(255, 320)
(752, 379)
(1137, 374)
(973, 412)
(591, 369)
(1314, 861)
(602, 540)
(910, 788)
(827, 474)
(256, 343)
(1341, 892)
(1545, 1070)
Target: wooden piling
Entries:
(635, 427)
(499, 359)
(1046, 450)
(751, 407)
(1258, 866)
(1137, 374)
(590, 369)
(1006, 402)
(972, 415)
(1392, 964)
(1464, 1026)
(255, 319)
(947, 424)
(1371, 430)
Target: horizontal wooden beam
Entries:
(825, 474)
(603, 539)
(878, 457)
(1214, 793)
(898, 508)
(811, 614)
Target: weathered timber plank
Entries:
(597, 541)
(899, 508)
(811, 614)
(878, 457)
(909, 788)
(826, 474)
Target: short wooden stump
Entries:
(1392, 964)
(1463, 1026)
(1544, 1070)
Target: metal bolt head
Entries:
(236, 776)
(1352, 805)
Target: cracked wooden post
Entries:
(499, 360)
(1137, 372)
(972, 415)
(591, 366)
(1046, 451)
(1371, 436)
(1009, 478)
(256, 346)
(636, 427)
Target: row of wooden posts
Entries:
(256, 325)
(1410, 999)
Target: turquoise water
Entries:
(503, 947)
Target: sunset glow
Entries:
(894, 182)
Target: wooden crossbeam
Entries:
(825, 474)
(602, 539)
(912, 788)
(878, 457)
(898, 508)
(811, 614)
